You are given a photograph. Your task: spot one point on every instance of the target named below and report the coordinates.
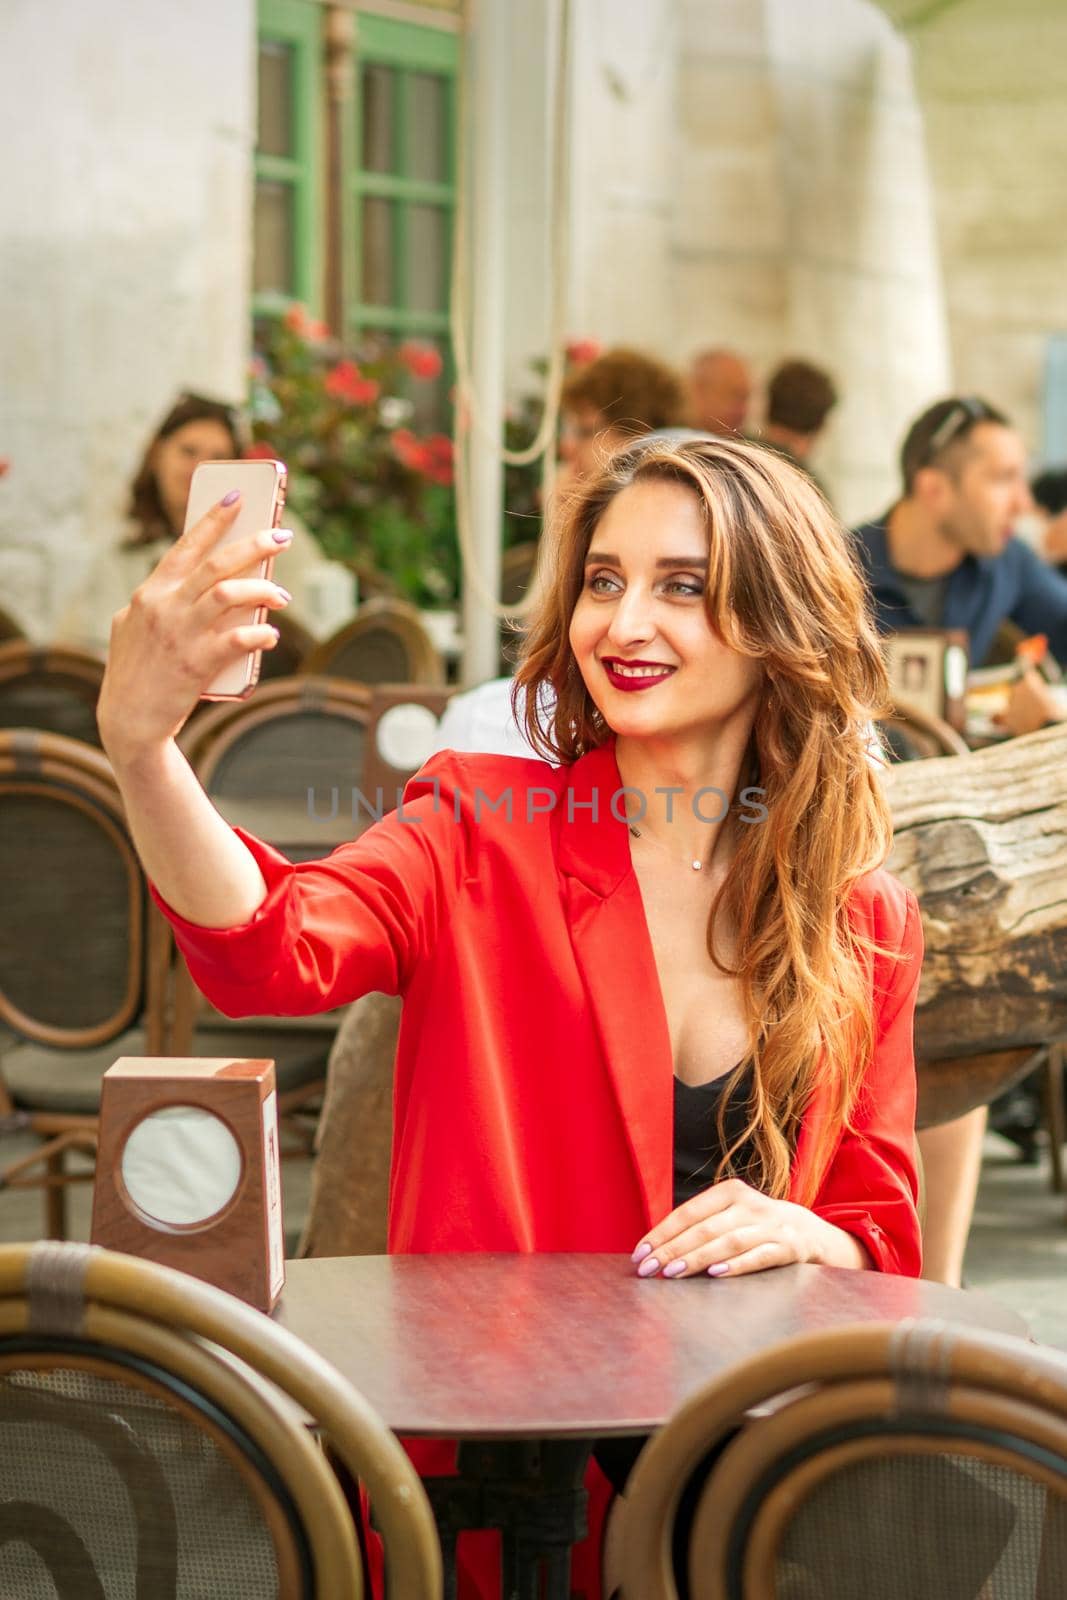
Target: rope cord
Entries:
(469, 411)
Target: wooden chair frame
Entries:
(397, 617)
(266, 1381)
(50, 766)
(77, 671)
(917, 1372)
(911, 718)
(377, 773)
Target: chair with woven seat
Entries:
(386, 642)
(889, 1461)
(82, 953)
(158, 1440)
(294, 646)
(55, 689)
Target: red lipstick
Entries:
(630, 682)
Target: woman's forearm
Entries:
(191, 854)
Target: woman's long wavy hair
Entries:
(784, 588)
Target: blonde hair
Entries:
(784, 587)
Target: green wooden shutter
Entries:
(287, 254)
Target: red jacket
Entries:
(534, 1096)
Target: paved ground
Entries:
(1018, 1249)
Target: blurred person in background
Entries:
(195, 429)
(945, 555)
(800, 397)
(1049, 490)
(610, 401)
(720, 392)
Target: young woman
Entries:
(658, 998)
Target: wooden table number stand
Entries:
(187, 1171)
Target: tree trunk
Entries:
(982, 840)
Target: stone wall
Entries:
(124, 248)
(992, 79)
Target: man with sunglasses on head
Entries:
(945, 555)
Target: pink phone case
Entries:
(262, 486)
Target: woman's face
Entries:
(176, 458)
(640, 634)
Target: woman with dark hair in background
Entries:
(195, 429)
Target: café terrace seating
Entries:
(82, 954)
(894, 1461)
(159, 1438)
(386, 642)
(55, 688)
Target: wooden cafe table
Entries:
(527, 1359)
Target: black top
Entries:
(697, 1146)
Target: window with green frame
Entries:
(394, 171)
(288, 213)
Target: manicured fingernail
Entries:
(718, 1269)
(675, 1269)
(286, 596)
(648, 1268)
(641, 1252)
(231, 498)
(282, 535)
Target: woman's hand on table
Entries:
(731, 1229)
(180, 630)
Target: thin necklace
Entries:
(696, 864)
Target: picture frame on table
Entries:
(927, 669)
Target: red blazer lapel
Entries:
(609, 932)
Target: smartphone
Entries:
(262, 486)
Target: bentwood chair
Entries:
(158, 1441)
(55, 689)
(286, 765)
(385, 642)
(889, 1462)
(294, 646)
(82, 954)
(916, 735)
(9, 628)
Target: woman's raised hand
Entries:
(182, 627)
(731, 1229)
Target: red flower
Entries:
(421, 360)
(260, 451)
(345, 382)
(581, 351)
(407, 449)
(5, 466)
(299, 320)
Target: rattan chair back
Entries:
(892, 1461)
(72, 939)
(385, 642)
(279, 763)
(55, 689)
(155, 1442)
(294, 646)
(912, 734)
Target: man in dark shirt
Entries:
(944, 555)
